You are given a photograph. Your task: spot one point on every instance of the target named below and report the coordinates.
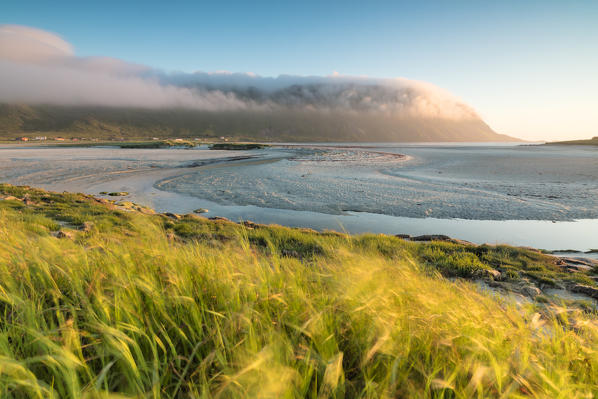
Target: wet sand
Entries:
(478, 183)
(355, 189)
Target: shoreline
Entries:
(522, 290)
(143, 186)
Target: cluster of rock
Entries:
(525, 286)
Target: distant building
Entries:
(59, 139)
(40, 138)
(24, 138)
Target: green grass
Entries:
(124, 144)
(150, 306)
(238, 146)
(592, 141)
(159, 144)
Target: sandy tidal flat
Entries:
(380, 188)
(483, 183)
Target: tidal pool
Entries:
(545, 197)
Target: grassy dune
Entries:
(106, 301)
(592, 141)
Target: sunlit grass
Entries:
(220, 310)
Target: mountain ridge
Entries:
(266, 125)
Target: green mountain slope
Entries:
(289, 125)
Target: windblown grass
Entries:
(134, 307)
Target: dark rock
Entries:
(219, 218)
(172, 215)
(578, 261)
(250, 224)
(440, 237)
(65, 234)
(403, 236)
(200, 210)
(531, 291)
(432, 237)
(573, 265)
(495, 274)
(585, 289)
(87, 226)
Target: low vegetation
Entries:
(238, 146)
(159, 144)
(115, 193)
(592, 141)
(100, 298)
(127, 144)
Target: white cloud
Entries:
(34, 84)
(21, 43)
(40, 67)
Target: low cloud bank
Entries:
(59, 85)
(38, 67)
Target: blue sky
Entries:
(528, 67)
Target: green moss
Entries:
(452, 260)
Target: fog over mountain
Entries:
(63, 91)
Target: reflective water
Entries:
(519, 195)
